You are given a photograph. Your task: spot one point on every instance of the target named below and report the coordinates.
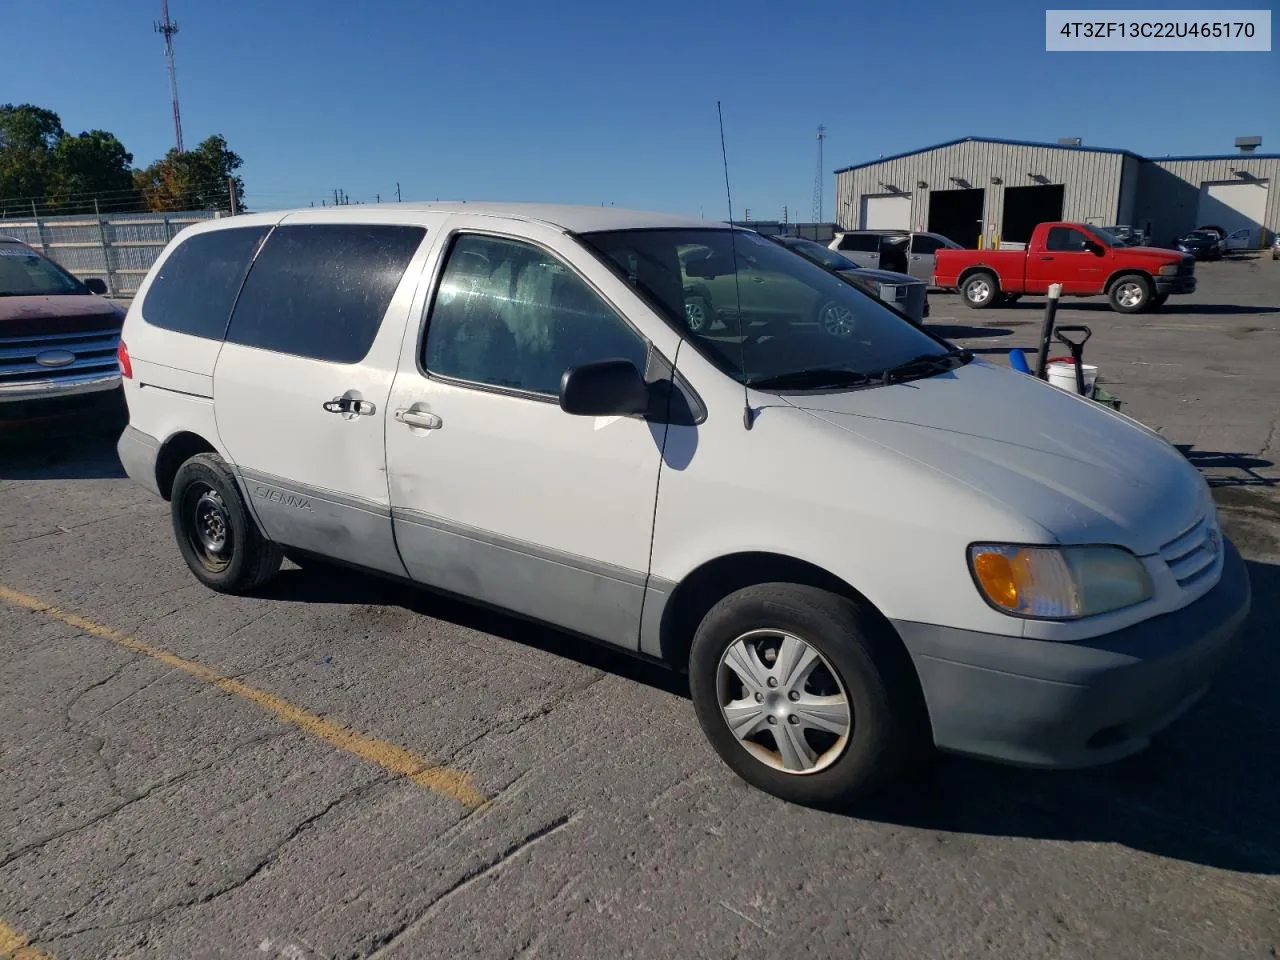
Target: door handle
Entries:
(757, 279)
(1046, 258)
(419, 418)
(349, 405)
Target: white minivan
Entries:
(857, 543)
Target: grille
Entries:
(1187, 267)
(1192, 554)
(94, 351)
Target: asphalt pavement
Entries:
(342, 767)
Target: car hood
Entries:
(1155, 253)
(881, 276)
(36, 316)
(1082, 472)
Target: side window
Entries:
(1064, 239)
(509, 314)
(320, 290)
(860, 242)
(198, 281)
(924, 245)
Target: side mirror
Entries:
(97, 285)
(1095, 248)
(605, 388)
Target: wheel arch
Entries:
(709, 583)
(1128, 272)
(968, 272)
(173, 453)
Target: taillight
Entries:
(122, 355)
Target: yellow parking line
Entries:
(13, 946)
(454, 784)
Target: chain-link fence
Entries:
(119, 248)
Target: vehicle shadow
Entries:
(1243, 465)
(87, 454)
(1173, 307)
(1206, 791)
(324, 583)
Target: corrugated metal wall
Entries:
(1169, 191)
(1127, 208)
(1091, 180)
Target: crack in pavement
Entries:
(247, 877)
(129, 801)
(387, 941)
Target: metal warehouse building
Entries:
(980, 190)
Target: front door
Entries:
(923, 256)
(1240, 239)
(1067, 261)
(497, 494)
(303, 378)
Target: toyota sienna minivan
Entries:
(858, 541)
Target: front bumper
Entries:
(1044, 704)
(1168, 285)
(35, 411)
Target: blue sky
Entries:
(594, 102)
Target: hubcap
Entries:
(979, 291)
(837, 320)
(784, 701)
(695, 314)
(1129, 294)
(208, 526)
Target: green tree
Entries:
(199, 179)
(28, 136)
(92, 166)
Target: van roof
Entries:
(576, 218)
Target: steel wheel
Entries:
(1130, 294)
(783, 701)
(207, 524)
(836, 320)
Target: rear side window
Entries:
(320, 290)
(197, 283)
(860, 242)
(1064, 238)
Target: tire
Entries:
(1130, 293)
(217, 538)
(698, 314)
(1156, 302)
(835, 319)
(884, 716)
(980, 289)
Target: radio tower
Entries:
(168, 28)
(818, 177)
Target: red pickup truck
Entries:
(1084, 259)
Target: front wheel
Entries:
(836, 319)
(216, 536)
(804, 695)
(1130, 293)
(698, 314)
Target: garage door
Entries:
(889, 211)
(1234, 205)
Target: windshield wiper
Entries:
(925, 364)
(812, 378)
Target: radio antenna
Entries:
(747, 415)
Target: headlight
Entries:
(1168, 270)
(1058, 583)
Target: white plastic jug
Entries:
(1062, 374)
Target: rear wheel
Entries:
(980, 290)
(804, 695)
(698, 314)
(1130, 293)
(835, 319)
(216, 536)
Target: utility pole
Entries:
(818, 176)
(167, 28)
(231, 192)
(377, 198)
(397, 191)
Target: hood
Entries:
(882, 276)
(1155, 253)
(1081, 472)
(73, 313)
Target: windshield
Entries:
(24, 273)
(775, 315)
(823, 255)
(1202, 235)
